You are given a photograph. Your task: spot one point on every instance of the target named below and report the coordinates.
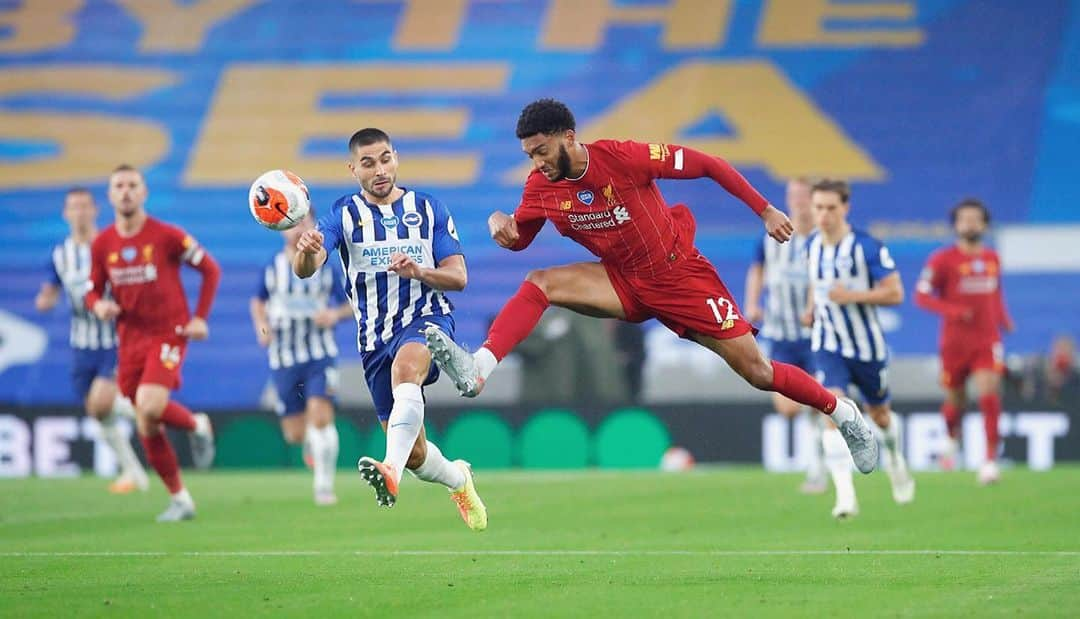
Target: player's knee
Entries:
(293, 436)
(540, 279)
(758, 373)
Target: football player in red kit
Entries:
(604, 196)
(138, 260)
(963, 284)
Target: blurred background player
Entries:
(400, 251)
(851, 274)
(138, 259)
(93, 341)
(604, 196)
(780, 270)
(294, 319)
(963, 284)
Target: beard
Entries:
(971, 236)
(390, 184)
(562, 165)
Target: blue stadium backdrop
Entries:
(919, 102)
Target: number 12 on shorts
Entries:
(724, 311)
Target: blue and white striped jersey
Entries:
(858, 262)
(786, 282)
(365, 236)
(291, 304)
(70, 269)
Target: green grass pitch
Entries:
(718, 542)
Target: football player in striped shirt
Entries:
(400, 252)
(294, 319)
(851, 275)
(779, 270)
(93, 341)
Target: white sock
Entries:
(317, 444)
(403, 426)
(843, 411)
(121, 446)
(327, 459)
(123, 407)
(815, 468)
(890, 436)
(485, 362)
(437, 469)
(838, 461)
(184, 496)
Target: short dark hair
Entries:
(839, 187)
(546, 116)
(974, 203)
(77, 190)
(125, 167)
(368, 136)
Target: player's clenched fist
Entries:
(777, 224)
(503, 229)
(311, 241)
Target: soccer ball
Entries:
(279, 200)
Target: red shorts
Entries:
(959, 361)
(688, 298)
(152, 360)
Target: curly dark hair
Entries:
(546, 116)
(974, 203)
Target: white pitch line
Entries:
(550, 553)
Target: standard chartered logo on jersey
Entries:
(601, 220)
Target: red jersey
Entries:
(143, 275)
(616, 211)
(966, 290)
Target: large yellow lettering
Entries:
(170, 26)
(37, 25)
(263, 114)
(799, 23)
(688, 24)
(431, 24)
(775, 126)
(90, 144)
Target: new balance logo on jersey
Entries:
(621, 214)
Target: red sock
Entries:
(160, 455)
(176, 415)
(516, 319)
(991, 411)
(796, 384)
(952, 419)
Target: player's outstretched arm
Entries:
(310, 254)
(257, 308)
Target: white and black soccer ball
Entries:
(279, 200)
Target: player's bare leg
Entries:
(952, 410)
(321, 438)
(154, 410)
(903, 484)
(744, 357)
(987, 386)
(104, 403)
(583, 287)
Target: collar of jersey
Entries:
(588, 160)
